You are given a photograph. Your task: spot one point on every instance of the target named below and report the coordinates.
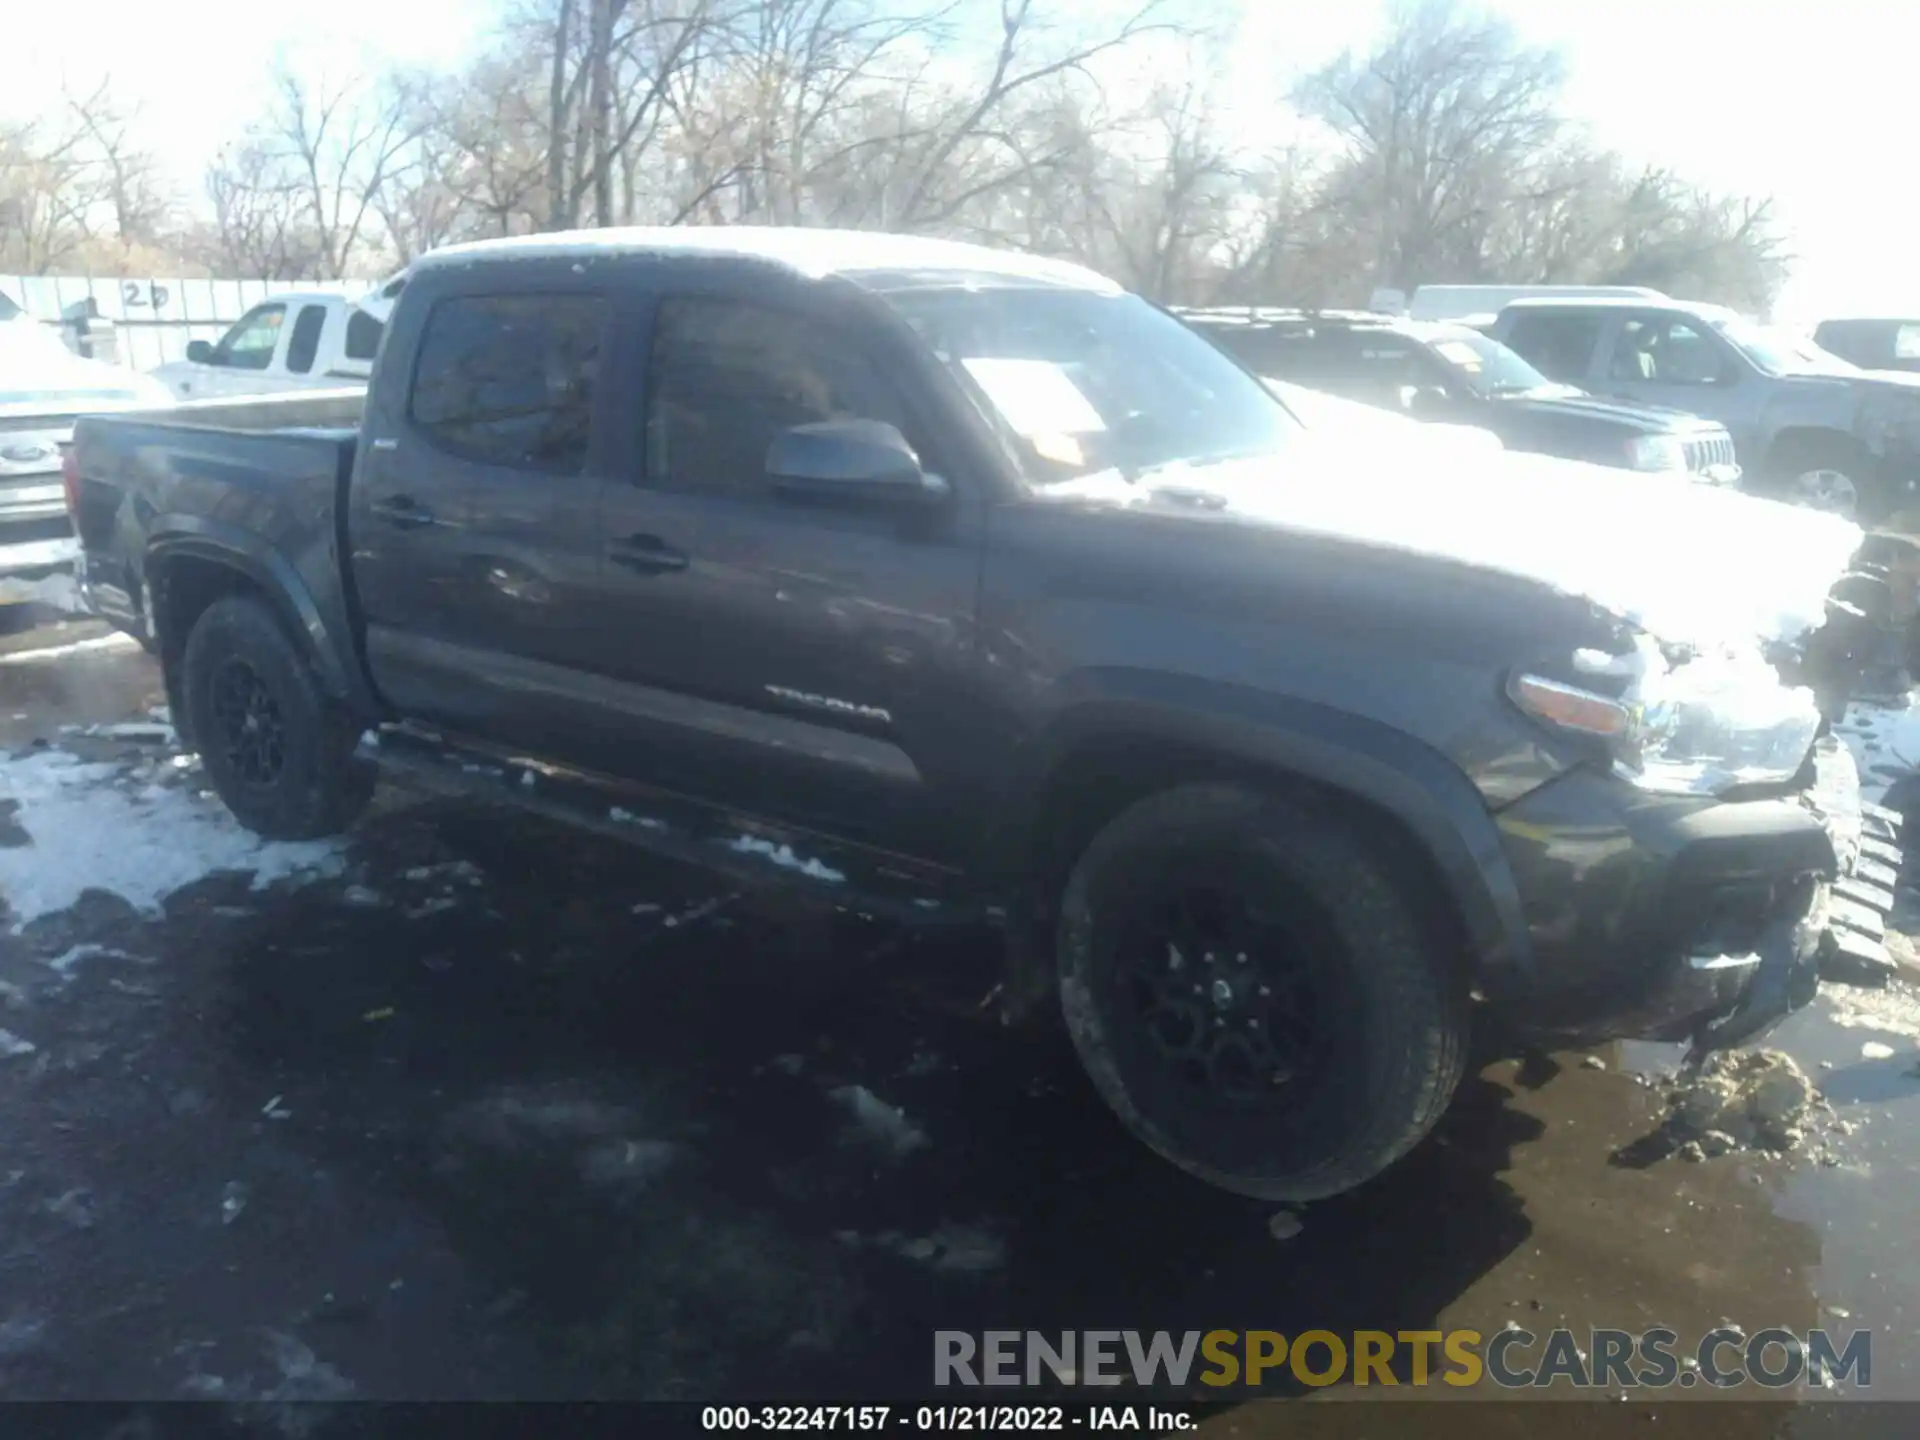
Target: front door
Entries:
(1678, 361)
(471, 519)
(243, 358)
(798, 660)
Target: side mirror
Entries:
(1424, 402)
(852, 459)
(199, 352)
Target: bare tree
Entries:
(259, 225)
(132, 206)
(1442, 153)
(1439, 127)
(339, 145)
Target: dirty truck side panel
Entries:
(1181, 637)
(812, 663)
(474, 566)
(263, 505)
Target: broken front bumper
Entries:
(1832, 928)
(1686, 920)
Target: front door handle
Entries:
(403, 511)
(647, 554)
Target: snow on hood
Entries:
(39, 375)
(1689, 563)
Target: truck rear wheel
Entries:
(1256, 994)
(278, 749)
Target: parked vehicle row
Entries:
(968, 585)
(1807, 426)
(1629, 378)
(1453, 374)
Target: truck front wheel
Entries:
(278, 749)
(1257, 993)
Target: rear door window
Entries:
(363, 335)
(1283, 353)
(510, 379)
(1560, 346)
(304, 343)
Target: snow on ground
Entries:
(1885, 740)
(85, 831)
(783, 856)
(116, 641)
(56, 592)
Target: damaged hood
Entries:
(1691, 564)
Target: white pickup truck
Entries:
(43, 387)
(297, 341)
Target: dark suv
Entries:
(1453, 373)
(1872, 344)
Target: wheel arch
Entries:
(191, 562)
(1411, 801)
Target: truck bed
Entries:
(262, 477)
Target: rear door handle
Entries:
(403, 511)
(647, 554)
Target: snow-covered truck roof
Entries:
(813, 253)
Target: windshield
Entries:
(1776, 351)
(1084, 382)
(1488, 367)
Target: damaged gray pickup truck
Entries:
(966, 584)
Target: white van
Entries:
(1468, 303)
(297, 341)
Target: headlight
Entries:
(1657, 452)
(1698, 729)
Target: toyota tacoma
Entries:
(964, 583)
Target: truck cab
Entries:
(296, 341)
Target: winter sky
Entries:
(1809, 100)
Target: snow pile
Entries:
(1738, 1100)
(86, 833)
(116, 641)
(56, 592)
(877, 1123)
(783, 856)
(1885, 741)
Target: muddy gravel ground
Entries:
(472, 1107)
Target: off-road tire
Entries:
(1399, 1010)
(320, 785)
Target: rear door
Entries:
(1563, 345)
(798, 660)
(305, 338)
(360, 342)
(471, 517)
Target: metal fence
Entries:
(154, 318)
